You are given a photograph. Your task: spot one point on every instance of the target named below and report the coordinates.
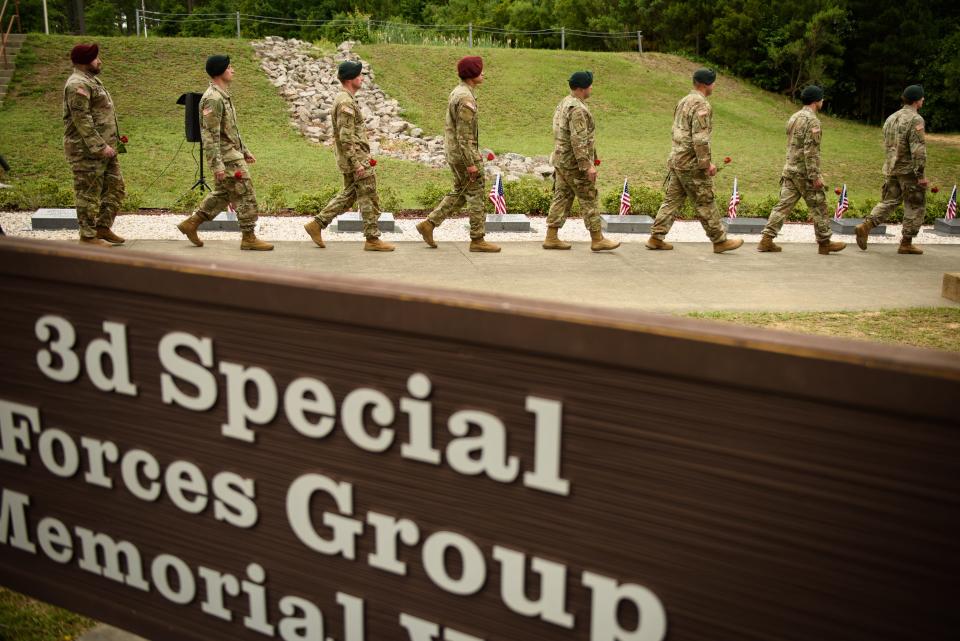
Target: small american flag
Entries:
(734, 201)
(952, 205)
(842, 205)
(625, 199)
(496, 196)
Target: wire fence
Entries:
(381, 31)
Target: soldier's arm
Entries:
(580, 139)
(78, 100)
(466, 115)
(348, 120)
(918, 147)
(811, 152)
(211, 115)
(700, 127)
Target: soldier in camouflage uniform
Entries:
(903, 169)
(227, 157)
(690, 170)
(801, 176)
(460, 144)
(353, 159)
(91, 142)
(574, 161)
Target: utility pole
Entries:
(470, 35)
(46, 21)
(238, 25)
(138, 22)
(563, 38)
(143, 12)
(640, 41)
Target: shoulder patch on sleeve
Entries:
(815, 130)
(347, 109)
(472, 106)
(920, 126)
(703, 113)
(208, 111)
(83, 92)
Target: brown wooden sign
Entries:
(197, 452)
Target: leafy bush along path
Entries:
(633, 103)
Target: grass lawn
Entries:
(25, 619)
(633, 102)
(936, 327)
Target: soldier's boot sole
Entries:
(106, 234)
(556, 244)
(426, 231)
(189, 229)
(315, 231)
(94, 242)
(657, 244)
(483, 246)
(600, 244)
(251, 242)
(767, 245)
(727, 246)
(377, 245)
(830, 247)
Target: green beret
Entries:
(811, 94)
(913, 93)
(217, 64)
(705, 76)
(349, 69)
(581, 79)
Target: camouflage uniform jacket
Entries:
(89, 119)
(349, 134)
(460, 137)
(905, 144)
(692, 124)
(218, 129)
(803, 145)
(573, 135)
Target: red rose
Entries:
(490, 156)
(238, 174)
(837, 191)
(373, 162)
(727, 160)
(934, 189)
(596, 162)
(124, 139)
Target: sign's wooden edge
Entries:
(511, 323)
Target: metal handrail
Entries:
(6, 34)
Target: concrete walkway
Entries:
(689, 278)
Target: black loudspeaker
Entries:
(191, 115)
(3, 163)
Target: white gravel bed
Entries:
(163, 227)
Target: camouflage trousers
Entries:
(792, 189)
(467, 195)
(903, 188)
(234, 191)
(698, 187)
(361, 192)
(99, 188)
(567, 185)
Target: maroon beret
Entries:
(470, 67)
(84, 54)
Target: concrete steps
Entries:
(14, 45)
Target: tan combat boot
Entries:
(728, 245)
(250, 241)
(315, 231)
(825, 247)
(426, 230)
(480, 245)
(767, 245)
(863, 232)
(189, 229)
(107, 235)
(374, 244)
(95, 242)
(553, 241)
(907, 247)
(656, 243)
(598, 243)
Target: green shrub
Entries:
(431, 194)
(311, 203)
(188, 200)
(133, 201)
(526, 196)
(389, 199)
(275, 200)
(44, 192)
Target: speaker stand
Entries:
(202, 184)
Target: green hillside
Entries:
(633, 102)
